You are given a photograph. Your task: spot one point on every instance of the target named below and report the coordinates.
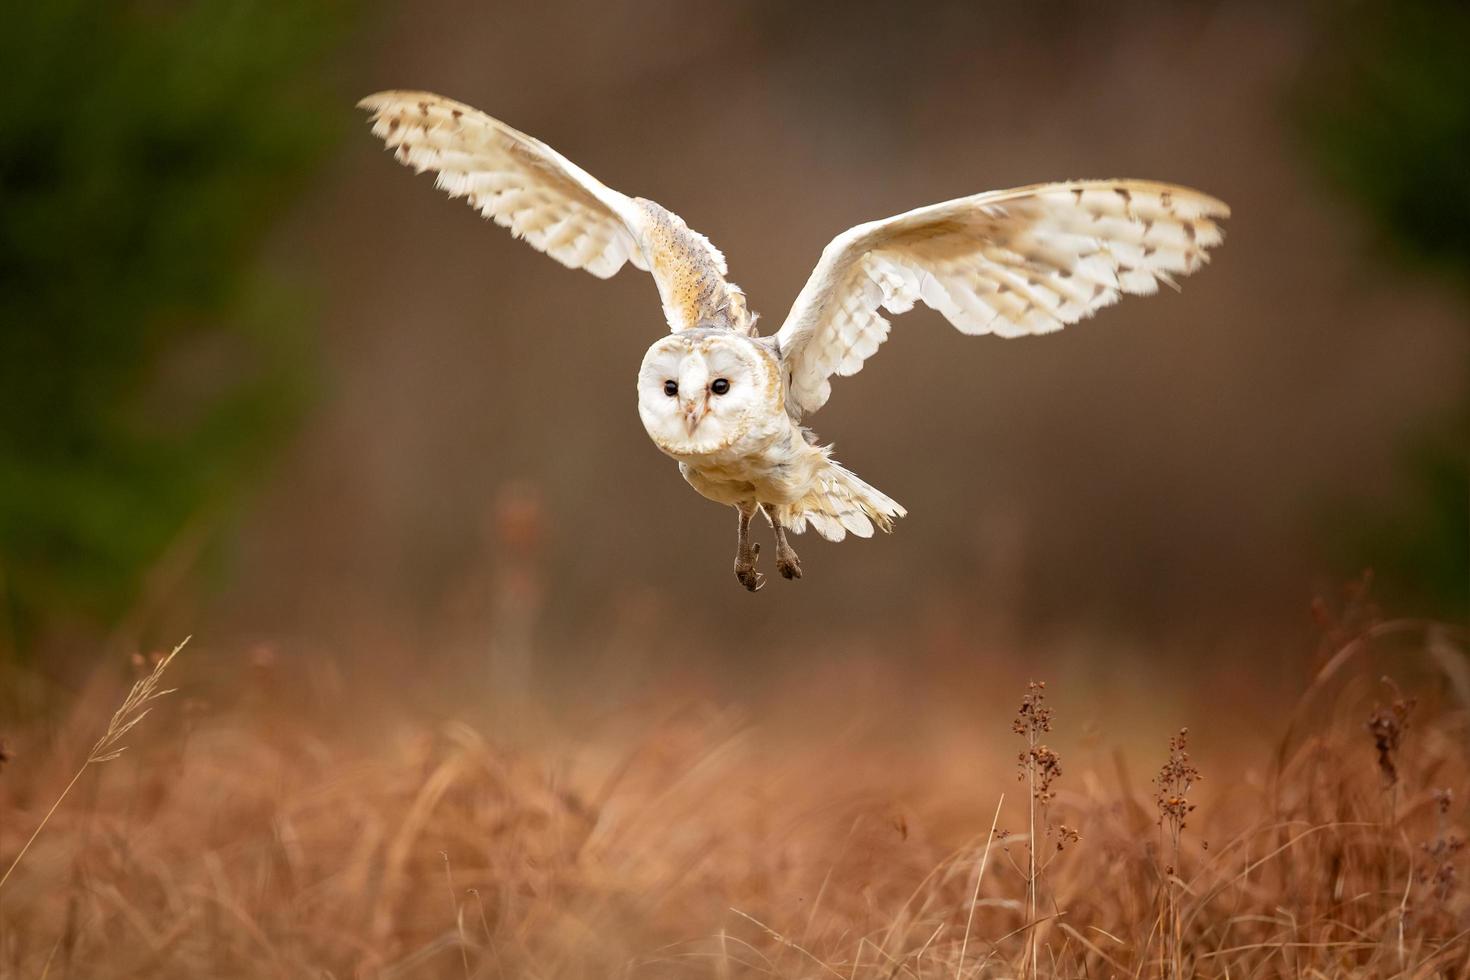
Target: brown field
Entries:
(282, 816)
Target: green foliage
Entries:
(1419, 545)
(1387, 114)
(145, 370)
(1386, 110)
(1426, 542)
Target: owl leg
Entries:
(747, 551)
(786, 561)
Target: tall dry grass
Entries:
(252, 837)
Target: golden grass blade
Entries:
(979, 877)
(106, 749)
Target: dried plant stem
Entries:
(1031, 853)
(1173, 782)
(42, 825)
(1171, 904)
(134, 708)
(1040, 767)
(975, 895)
(1176, 942)
(464, 951)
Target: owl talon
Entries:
(786, 561)
(745, 571)
(753, 580)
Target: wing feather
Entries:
(1012, 263)
(524, 185)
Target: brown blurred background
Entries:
(1182, 471)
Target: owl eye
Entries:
(671, 388)
(720, 387)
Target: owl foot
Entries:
(745, 571)
(786, 561)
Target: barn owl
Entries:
(729, 404)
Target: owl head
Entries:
(702, 391)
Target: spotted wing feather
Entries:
(1011, 263)
(524, 185)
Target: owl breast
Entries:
(780, 471)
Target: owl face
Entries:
(702, 391)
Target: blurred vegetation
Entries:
(146, 366)
(1386, 111)
(148, 369)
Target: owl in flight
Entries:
(729, 404)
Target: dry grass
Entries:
(136, 706)
(259, 838)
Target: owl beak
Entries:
(694, 413)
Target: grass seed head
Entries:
(1171, 787)
(1037, 761)
(1046, 766)
(1387, 726)
(1439, 873)
(1034, 716)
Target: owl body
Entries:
(728, 405)
(715, 401)
(777, 473)
(734, 444)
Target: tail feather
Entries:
(839, 503)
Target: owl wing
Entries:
(541, 196)
(1012, 263)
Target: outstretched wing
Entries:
(1012, 263)
(541, 196)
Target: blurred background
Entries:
(261, 384)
